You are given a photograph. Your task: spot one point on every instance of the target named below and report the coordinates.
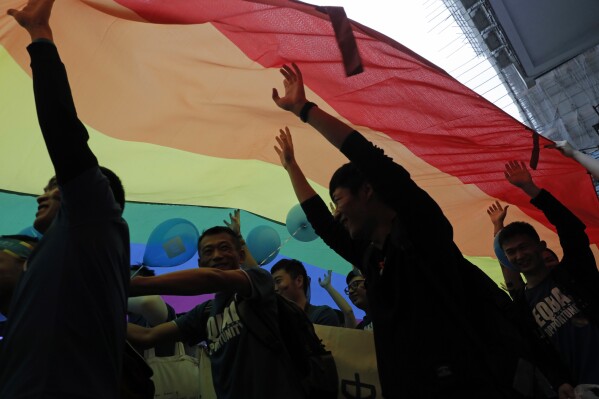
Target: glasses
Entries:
(353, 286)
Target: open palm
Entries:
(294, 97)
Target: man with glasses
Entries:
(356, 290)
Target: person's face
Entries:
(525, 253)
(288, 287)
(550, 259)
(353, 210)
(219, 251)
(48, 206)
(11, 269)
(357, 292)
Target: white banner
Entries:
(354, 355)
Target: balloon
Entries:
(31, 232)
(264, 244)
(298, 225)
(172, 243)
(501, 255)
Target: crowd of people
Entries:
(442, 328)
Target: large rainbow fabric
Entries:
(177, 98)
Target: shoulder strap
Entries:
(258, 327)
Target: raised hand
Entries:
(326, 280)
(518, 175)
(35, 18)
(588, 162)
(285, 149)
(497, 213)
(295, 97)
(564, 147)
(234, 222)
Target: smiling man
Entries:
(81, 265)
(292, 282)
(242, 366)
(563, 300)
(441, 324)
(356, 290)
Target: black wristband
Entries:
(305, 109)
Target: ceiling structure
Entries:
(547, 53)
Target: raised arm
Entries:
(323, 222)
(234, 223)
(64, 134)
(497, 213)
(513, 279)
(342, 304)
(303, 190)
(391, 181)
(589, 163)
(570, 229)
(295, 101)
(518, 175)
(192, 282)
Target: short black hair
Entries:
(347, 176)
(294, 268)
(115, 185)
(212, 231)
(353, 274)
(515, 229)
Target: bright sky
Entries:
(427, 27)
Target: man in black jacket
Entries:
(443, 328)
(564, 300)
(80, 266)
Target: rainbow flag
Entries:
(177, 99)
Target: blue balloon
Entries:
(172, 243)
(298, 225)
(264, 244)
(31, 232)
(501, 255)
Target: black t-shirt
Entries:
(242, 367)
(570, 330)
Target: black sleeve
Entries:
(577, 272)
(332, 232)
(192, 325)
(415, 208)
(570, 229)
(64, 134)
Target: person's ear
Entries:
(367, 191)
